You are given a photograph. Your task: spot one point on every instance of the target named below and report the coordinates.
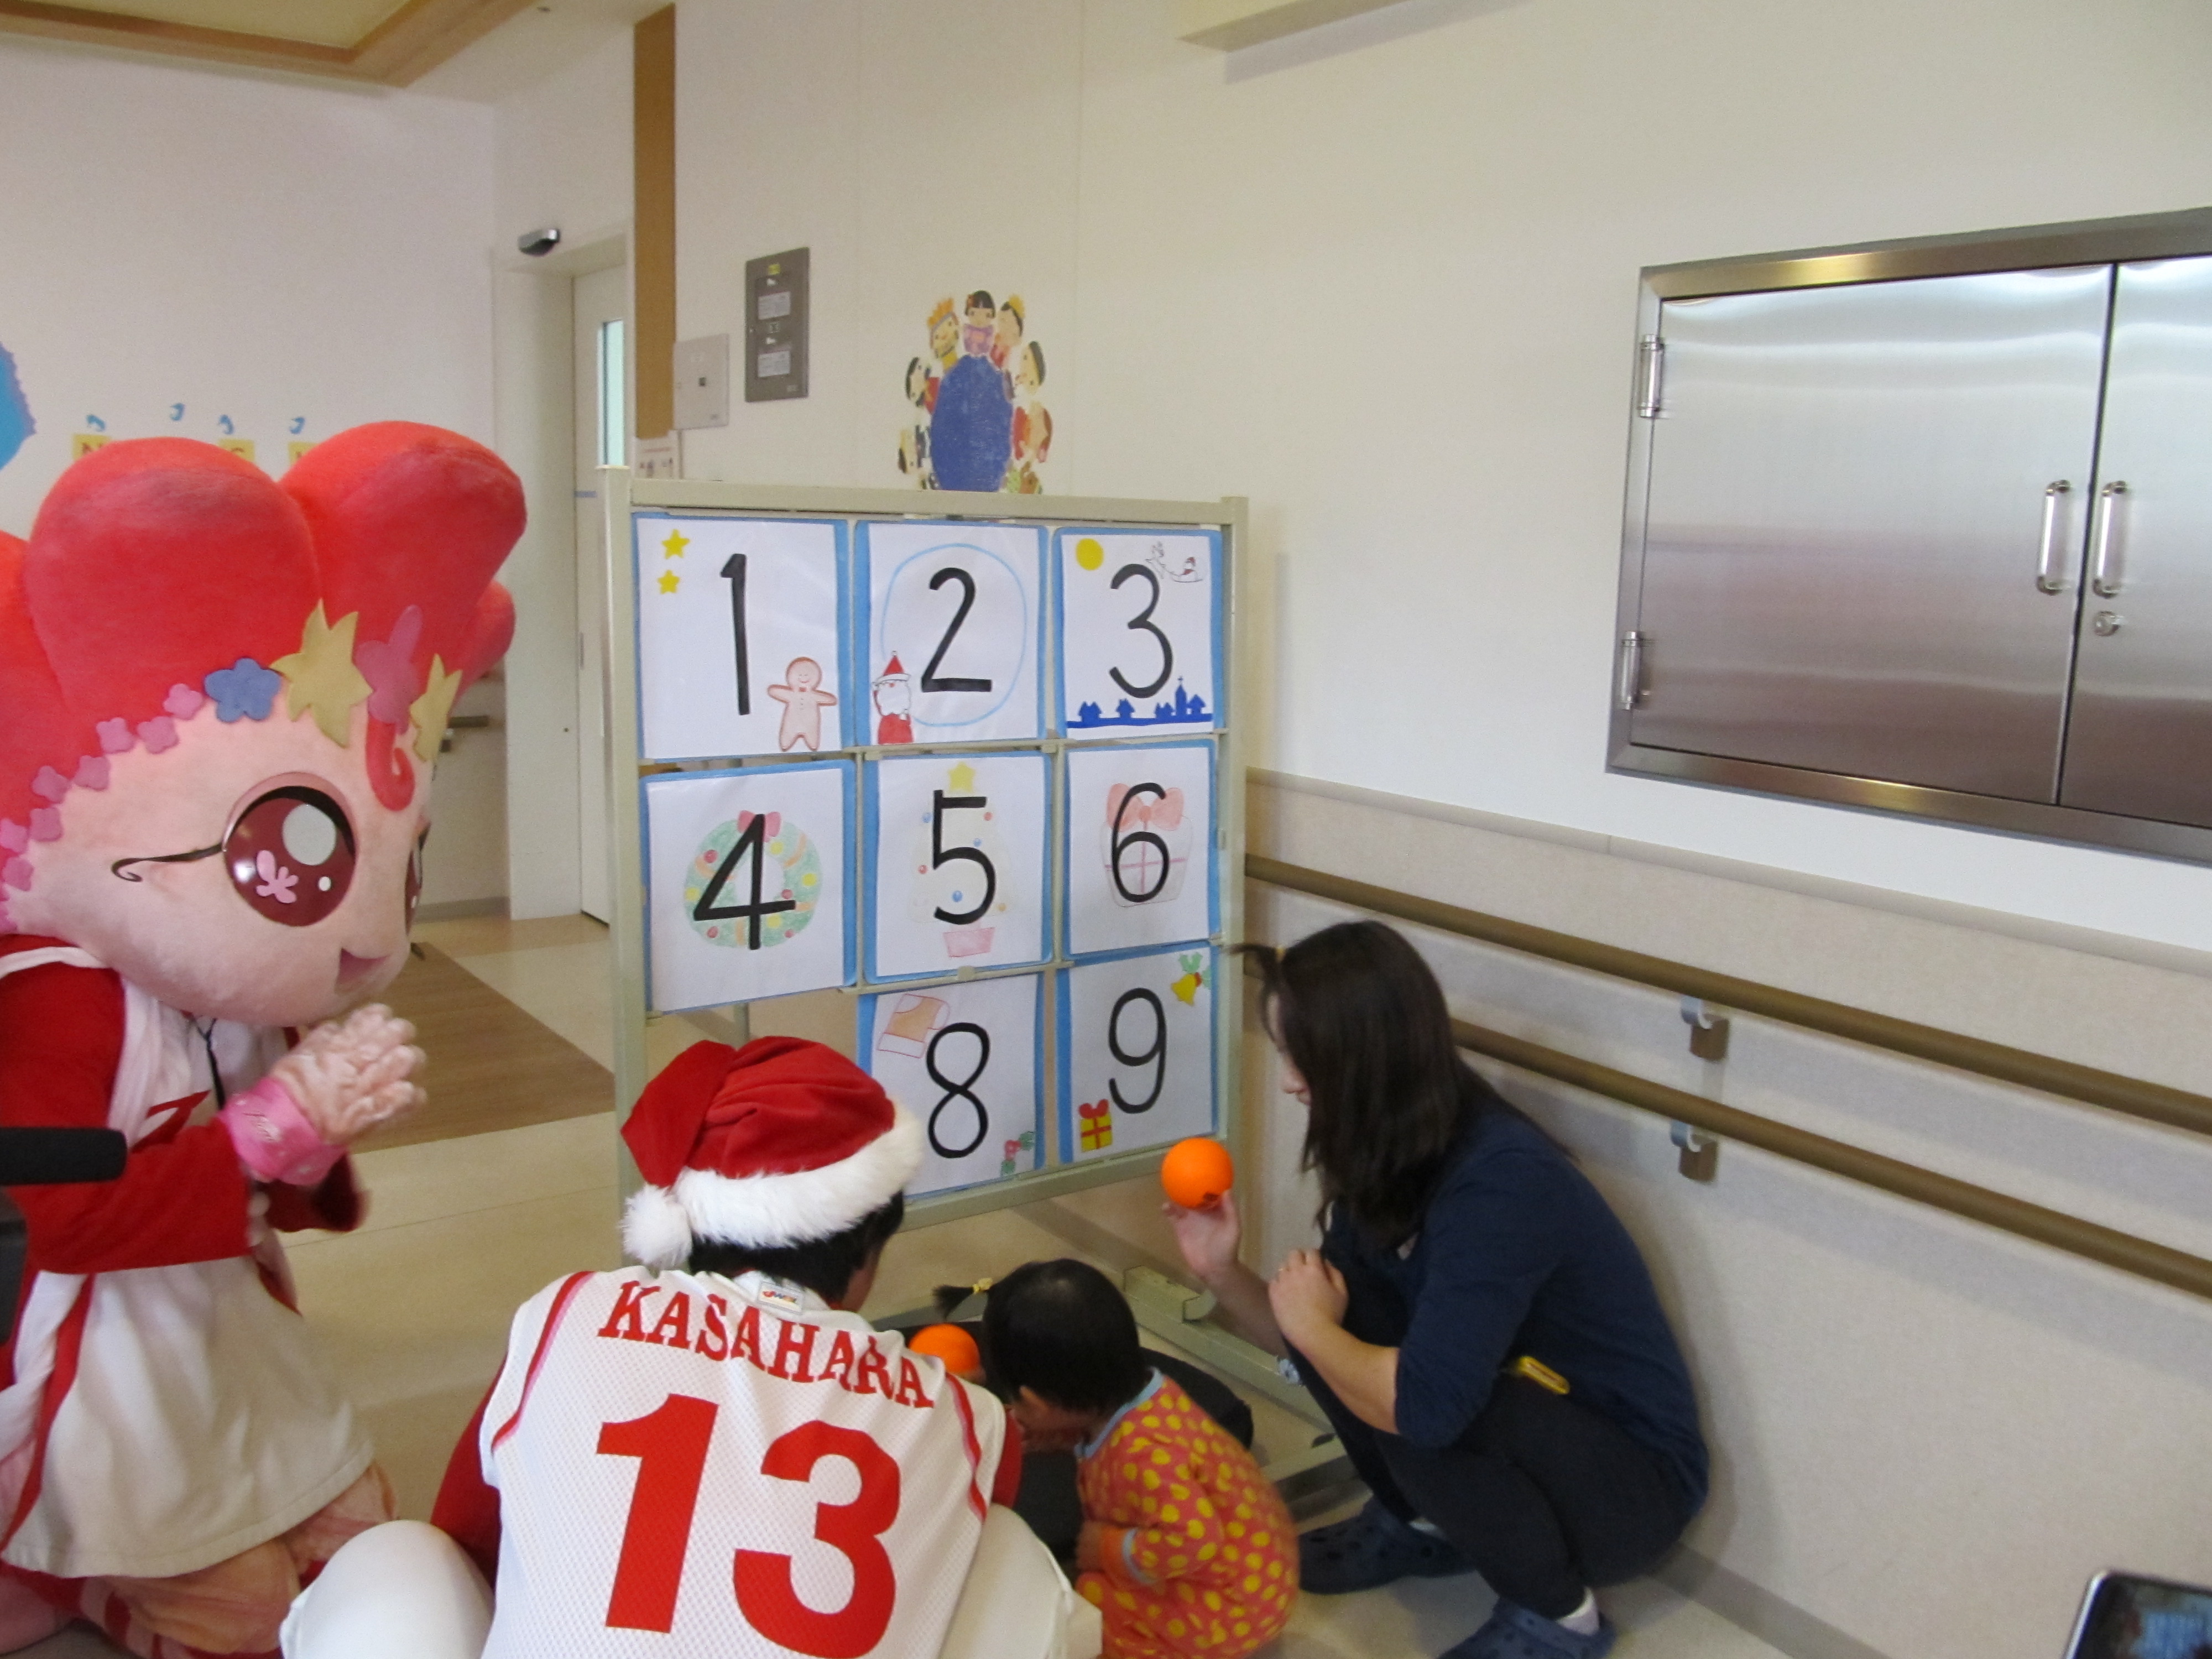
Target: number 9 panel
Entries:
(959, 863)
(1140, 630)
(966, 1059)
(1136, 1053)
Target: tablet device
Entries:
(2127, 1616)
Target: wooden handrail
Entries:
(2153, 1102)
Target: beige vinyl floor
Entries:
(412, 1309)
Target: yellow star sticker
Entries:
(320, 676)
(962, 778)
(674, 546)
(669, 579)
(429, 711)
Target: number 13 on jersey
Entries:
(1137, 1052)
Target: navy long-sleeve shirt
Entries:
(1517, 1254)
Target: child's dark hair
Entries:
(823, 1265)
(1061, 1329)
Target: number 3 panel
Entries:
(1141, 869)
(1140, 630)
(738, 630)
(966, 1059)
(960, 858)
(1136, 1051)
(950, 643)
(747, 874)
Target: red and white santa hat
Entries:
(781, 1142)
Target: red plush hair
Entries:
(156, 562)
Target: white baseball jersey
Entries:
(689, 1465)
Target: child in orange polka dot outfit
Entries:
(1186, 1547)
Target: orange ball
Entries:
(951, 1346)
(1196, 1172)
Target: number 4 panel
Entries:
(1140, 630)
(1141, 854)
(966, 1059)
(1136, 1051)
(747, 878)
(959, 853)
(739, 628)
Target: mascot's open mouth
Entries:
(353, 969)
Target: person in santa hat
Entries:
(713, 1446)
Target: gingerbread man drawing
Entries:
(802, 700)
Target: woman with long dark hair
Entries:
(1477, 1324)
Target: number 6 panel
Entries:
(1140, 827)
(968, 1061)
(1136, 1053)
(1140, 630)
(959, 861)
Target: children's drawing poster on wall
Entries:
(1136, 1051)
(16, 422)
(975, 418)
(966, 1061)
(1139, 828)
(1140, 630)
(748, 883)
(739, 635)
(960, 863)
(951, 631)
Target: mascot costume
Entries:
(220, 699)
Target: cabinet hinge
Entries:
(1630, 685)
(1650, 371)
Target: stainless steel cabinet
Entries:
(1929, 528)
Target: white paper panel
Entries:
(964, 1060)
(1137, 631)
(697, 578)
(960, 863)
(1139, 846)
(952, 632)
(1137, 1052)
(777, 838)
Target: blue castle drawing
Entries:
(1185, 710)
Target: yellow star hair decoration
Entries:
(962, 778)
(674, 546)
(429, 711)
(320, 676)
(669, 581)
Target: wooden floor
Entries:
(492, 1065)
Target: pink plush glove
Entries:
(347, 1079)
(275, 1141)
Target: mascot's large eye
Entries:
(291, 855)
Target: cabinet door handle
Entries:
(2105, 568)
(1630, 686)
(2050, 576)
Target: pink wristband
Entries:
(274, 1139)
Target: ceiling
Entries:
(392, 42)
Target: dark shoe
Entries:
(1373, 1548)
(1514, 1632)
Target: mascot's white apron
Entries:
(196, 1421)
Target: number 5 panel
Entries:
(959, 857)
(740, 632)
(1140, 630)
(968, 1061)
(1136, 1051)
(949, 641)
(1141, 869)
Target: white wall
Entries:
(263, 249)
(1382, 279)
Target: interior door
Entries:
(2141, 739)
(1859, 557)
(602, 426)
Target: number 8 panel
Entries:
(966, 1059)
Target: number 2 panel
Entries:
(966, 1061)
(959, 859)
(739, 638)
(1136, 1051)
(950, 641)
(1140, 630)
(1139, 826)
(747, 877)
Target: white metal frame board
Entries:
(979, 768)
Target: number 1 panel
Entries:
(1140, 630)
(747, 873)
(966, 1061)
(1136, 1053)
(958, 848)
(1139, 826)
(950, 643)
(740, 632)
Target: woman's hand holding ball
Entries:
(1307, 1295)
(1208, 1237)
